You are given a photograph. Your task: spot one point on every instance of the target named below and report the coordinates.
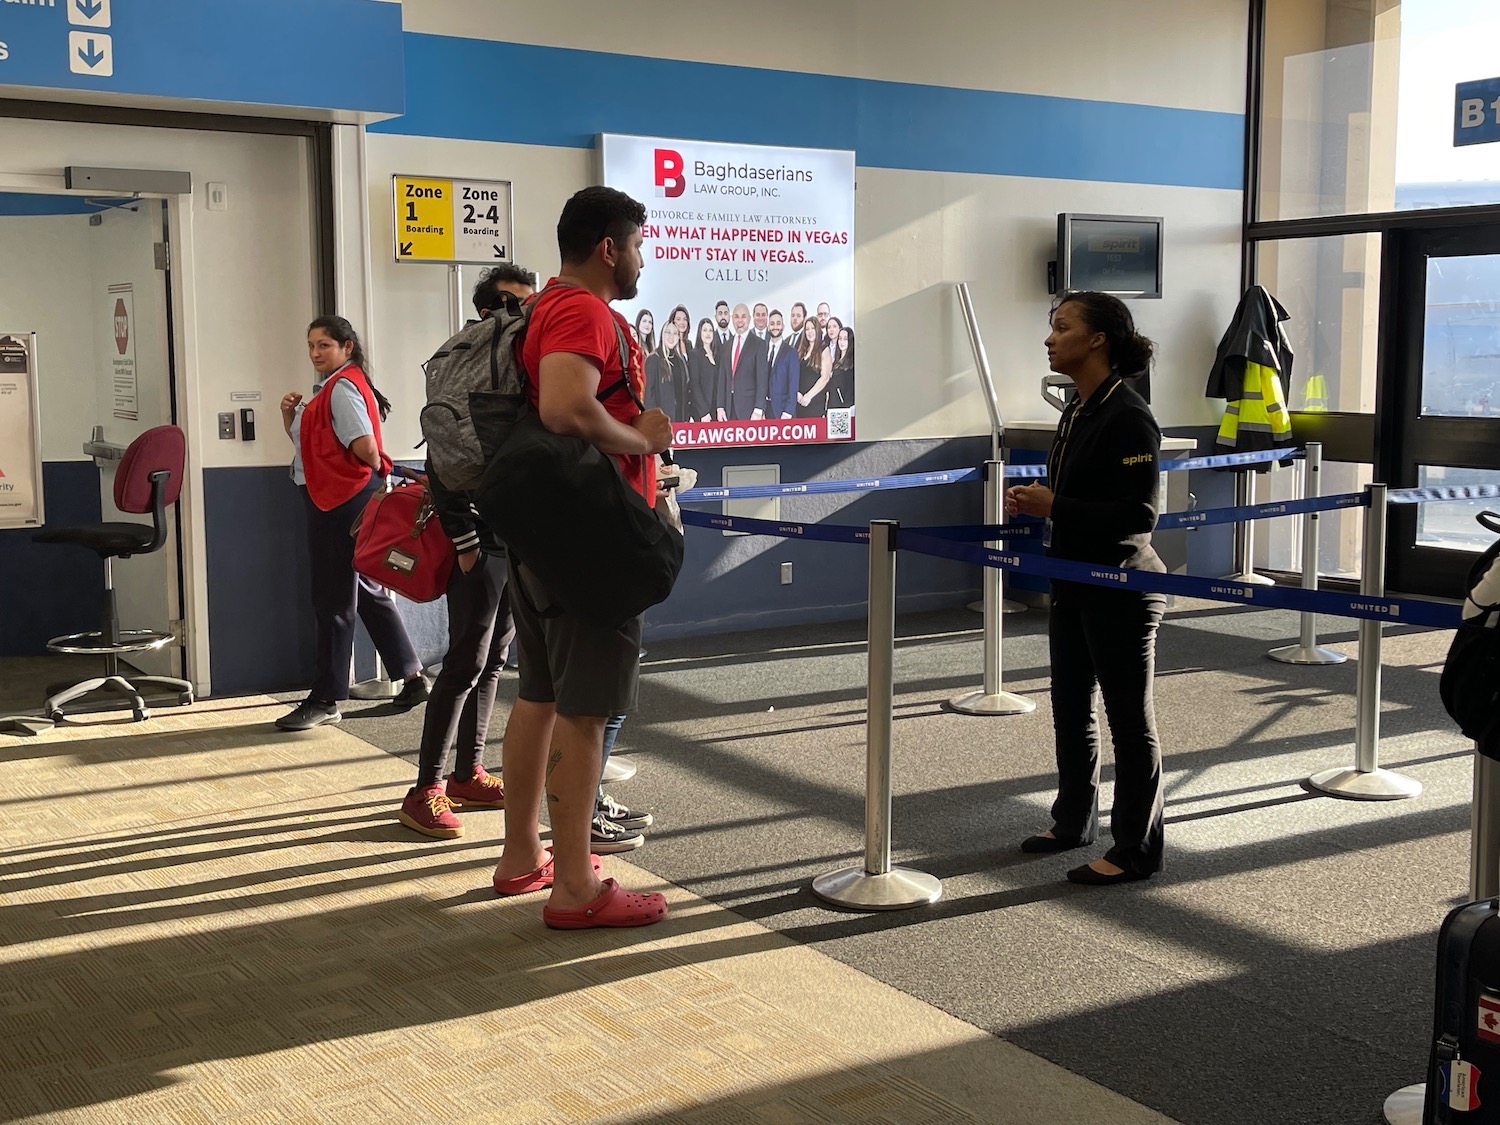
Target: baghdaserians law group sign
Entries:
(746, 304)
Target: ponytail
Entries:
(342, 332)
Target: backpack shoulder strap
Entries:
(624, 380)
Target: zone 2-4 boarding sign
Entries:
(452, 222)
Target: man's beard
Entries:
(628, 286)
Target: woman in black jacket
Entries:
(841, 387)
(1100, 503)
(703, 374)
(666, 375)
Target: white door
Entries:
(128, 311)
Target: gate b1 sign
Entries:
(1476, 112)
(452, 222)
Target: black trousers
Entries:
(339, 595)
(463, 696)
(1107, 637)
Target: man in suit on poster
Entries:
(743, 374)
(781, 361)
(760, 319)
(721, 319)
(799, 318)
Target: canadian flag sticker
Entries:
(1489, 1017)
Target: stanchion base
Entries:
(896, 889)
(1405, 1106)
(1006, 606)
(1249, 578)
(1305, 654)
(1001, 703)
(618, 769)
(1376, 785)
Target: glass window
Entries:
(1450, 524)
(1278, 542)
(1461, 337)
(1358, 106)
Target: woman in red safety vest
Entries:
(339, 463)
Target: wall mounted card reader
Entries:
(247, 424)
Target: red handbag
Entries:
(400, 544)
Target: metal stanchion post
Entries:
(1484, 852)
(1367, 781)
(1307, 650)
(1244, 534)
(997, 425)
(1406, 1105)
(877, 885)
(991, 700)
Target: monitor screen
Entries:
(1117, 254)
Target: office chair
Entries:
(148, 479)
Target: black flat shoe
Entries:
(1091, 878)
(1046, 845)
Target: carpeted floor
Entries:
(1279, 971)
(207, 921)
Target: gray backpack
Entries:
(477, 373)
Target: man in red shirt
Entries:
(575, 675)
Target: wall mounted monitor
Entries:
(1119, 254)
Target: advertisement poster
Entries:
(123, 384)
(749, 255)
(20, 460)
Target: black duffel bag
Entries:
(565, 510)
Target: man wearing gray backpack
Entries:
(480, 634)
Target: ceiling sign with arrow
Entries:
(454, 222)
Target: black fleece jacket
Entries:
(1104, 472)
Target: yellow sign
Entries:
(424, 219)
(452, 221)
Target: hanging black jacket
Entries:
(1254, 336)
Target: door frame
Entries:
(1406, 439)
(182, 309)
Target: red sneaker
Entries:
(427, 811)
(483, 791)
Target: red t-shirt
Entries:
(570, 319)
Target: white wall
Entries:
(916, 232)
(252, 267)
(1184, 53)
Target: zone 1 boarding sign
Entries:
(451, 222)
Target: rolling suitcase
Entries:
(1463, 1072)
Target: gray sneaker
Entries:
(308, 714)
(611, 809)
(606, 837)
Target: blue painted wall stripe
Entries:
(455, 88)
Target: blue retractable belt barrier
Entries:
(826, 532)
(818, 487)
(1246, 512)
(1400, 610)
(1431, 495)
(950, 476)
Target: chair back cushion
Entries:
(160, 447)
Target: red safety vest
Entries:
(334, 475)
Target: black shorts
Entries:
(583, 669)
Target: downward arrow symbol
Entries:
(89, 9)
(92, 57)
(406, 249)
